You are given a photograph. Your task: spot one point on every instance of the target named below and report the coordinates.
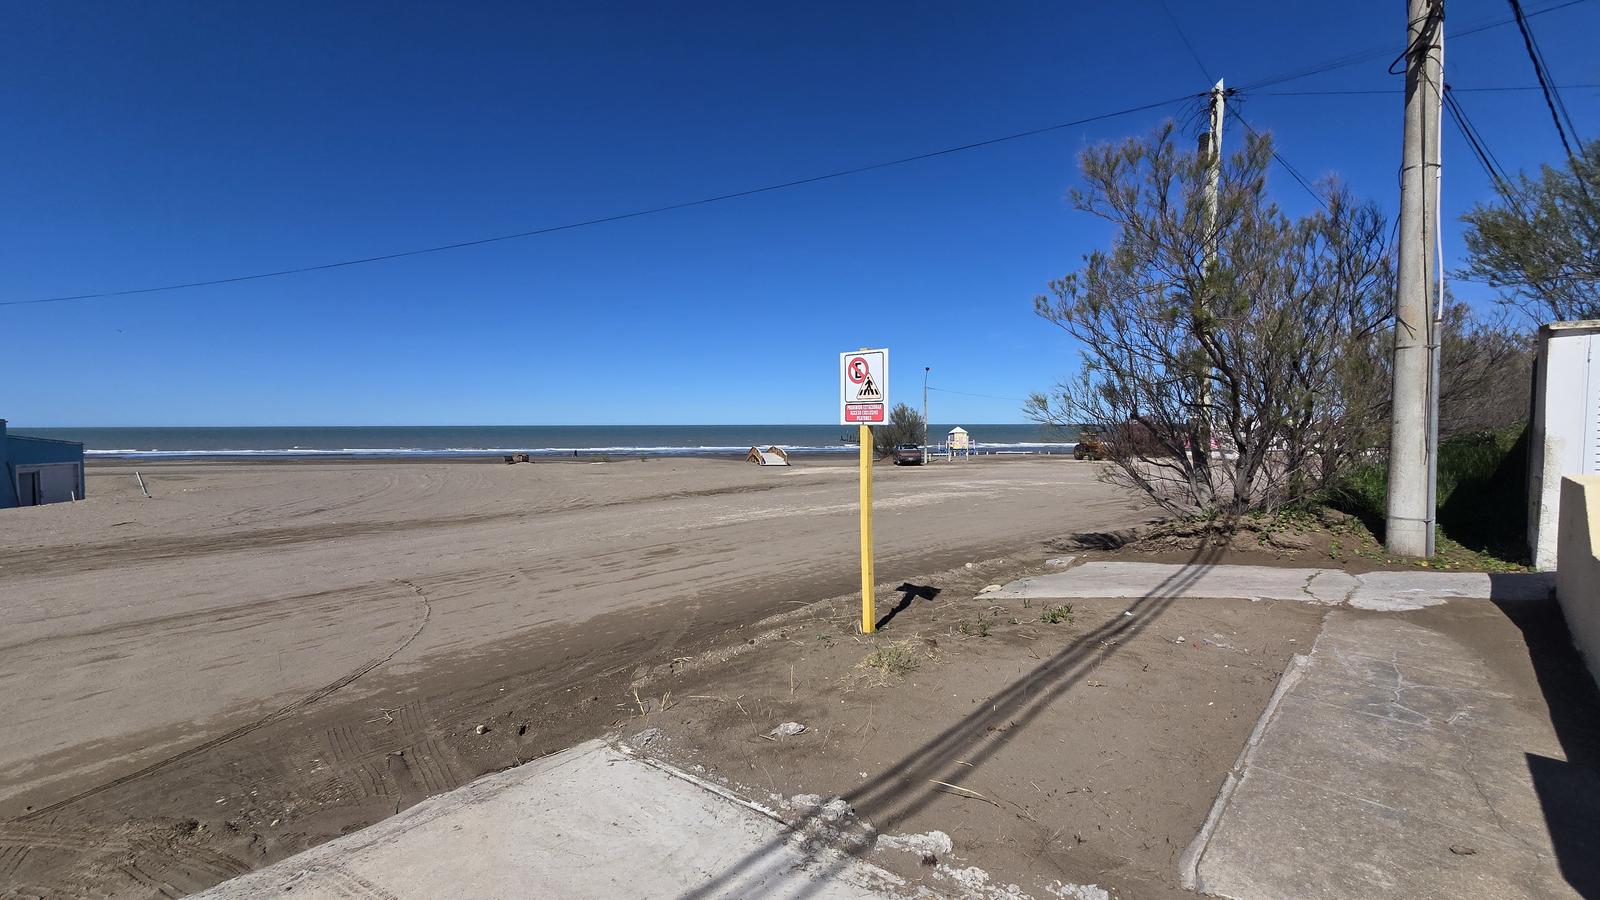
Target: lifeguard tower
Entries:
(958, 443)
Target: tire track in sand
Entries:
(242, 730)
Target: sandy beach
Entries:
(280, 628)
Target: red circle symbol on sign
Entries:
(857, 370)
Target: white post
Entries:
(1212, 146)
(1410, 515)
(925, 371)
(1219, 99)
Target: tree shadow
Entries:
(1568, 790)
(910, 784)
(908, 593)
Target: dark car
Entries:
(907, 455)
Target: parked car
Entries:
(907, 455)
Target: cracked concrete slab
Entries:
(1400, 761)
(1398, 591)
(589, 822)
(1381, 591)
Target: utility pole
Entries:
(1211, 153)
(925, 371)
(1410, 523)
(1211, 150)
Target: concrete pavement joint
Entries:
(1189, 863)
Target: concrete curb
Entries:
(1189, 863)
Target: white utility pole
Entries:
(925, 371)
(1211, 149)
(1411, 461)
(1211, 153)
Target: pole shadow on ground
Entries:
(908, 593)
(907, 786)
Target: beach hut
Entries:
(958, 442)
(38, 470)
(772, 456)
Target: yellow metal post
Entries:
(869, 603)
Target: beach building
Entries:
(957, 443)
(39, 470)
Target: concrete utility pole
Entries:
(1411, 462)
(1211, 150)
(925, 371)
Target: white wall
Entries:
(1566, 427)
(58, 482)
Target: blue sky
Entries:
(152, 143)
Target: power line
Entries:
(1362, 56)
(536, 232)
(1282, 161)
(1552, 97)
(1287, 166)
(1467, 90)
(1475, 141)
(1193, 54)
(985, 396)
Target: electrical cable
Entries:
(1362, 56)
(535, 232)
(1391, 91)
(1287, 166)
(1552, 97)
(1193, 54)
(985, 396)
(1476, 143)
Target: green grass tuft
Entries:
(1053, 615)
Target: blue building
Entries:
(39, 470)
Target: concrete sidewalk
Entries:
(589, 822)
(1384, 591)
(1437, 742)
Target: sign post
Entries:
(864, 401)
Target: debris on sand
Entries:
(647, 737)
(835, 810)
(932, 843)
(482, 729)
(975, 882)
(1077, 891)
(787, 729)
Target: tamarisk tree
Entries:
(1231, 363)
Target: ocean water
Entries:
(378, 442)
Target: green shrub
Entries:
(1482, 492)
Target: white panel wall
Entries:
(1566, 427)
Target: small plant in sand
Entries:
(980, 628)
(1053, 615)
(893, 660)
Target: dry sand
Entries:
(1049, 753)
(264, 656)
